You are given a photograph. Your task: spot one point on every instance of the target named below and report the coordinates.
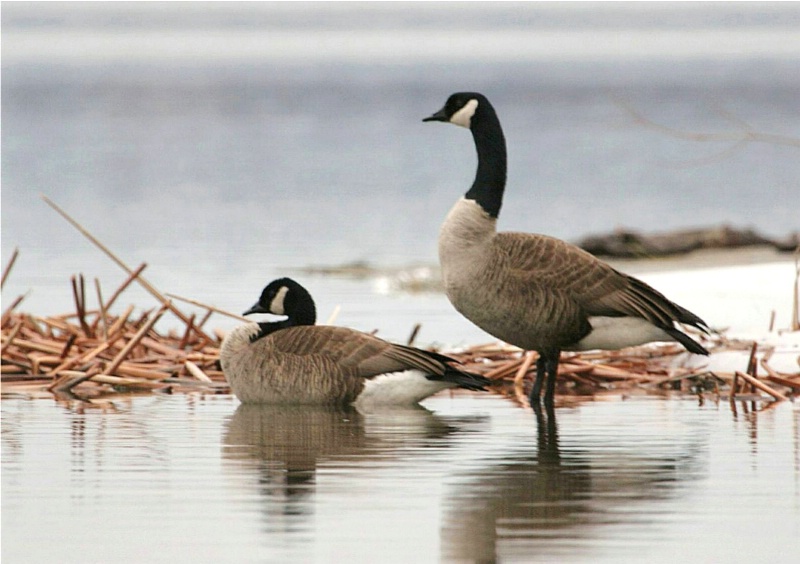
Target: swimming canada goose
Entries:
(533, 291)
(295, 361)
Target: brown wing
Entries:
(564, 270)
(365, 355)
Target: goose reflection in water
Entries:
(284, 445)
(543, 501)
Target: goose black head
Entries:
(460, 109)
(284, 296)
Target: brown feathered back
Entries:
(321, 364)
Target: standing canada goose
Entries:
(295, 361)
(534, 291)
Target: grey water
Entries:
(226, 144)
(470, 478)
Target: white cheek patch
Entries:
(276, 305)
(463, 117)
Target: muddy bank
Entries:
(623, 243)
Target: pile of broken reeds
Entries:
(89, 353)
(652, 368)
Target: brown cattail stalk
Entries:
(145, 284)
(761, 386)
(9, 266)
(208, 307)
(195, 371)
(10, 309)
(124, 286)
(523, 369)
(102, 317)
(133, 342)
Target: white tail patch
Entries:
(463, 117)
(398, 388)
(276, 305)
(611, 333)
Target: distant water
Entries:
(226, 144)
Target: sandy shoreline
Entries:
(704, 258)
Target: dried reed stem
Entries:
(504, 370)
(777, 378)
(69, 379)
(68, 346)
(413, 336)
(9, 310)
(761, 386)
(9, 266)
(195, 371)
(103, 318)
(745, 135)
(79, 293)
(523, 369)
(121, 320)
(752, 363)
(124, 286)
(208, 307)
(138, 337)
(13, 335)
(128, 382)
(334, 314)
(187, 333)
(145, 284)
(83, 358)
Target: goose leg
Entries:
(551, 365)
(536, 391)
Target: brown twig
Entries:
(145, 284)
(761, 386)
(414, 332)
(752, 363)
(777, 378)
(121, 320)
(133, 342)
(79, 293)
(10, 309)
(523, 369)
(208, 307)
(745, 135)
(9, 266)
(102, 317)
(205, 318)
(128, 281)
(187, 333)
(195, 371)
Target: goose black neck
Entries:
(490, 179)
(300, 310)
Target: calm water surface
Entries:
(469, 478)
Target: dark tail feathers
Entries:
(466, 380)
(684, 339)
